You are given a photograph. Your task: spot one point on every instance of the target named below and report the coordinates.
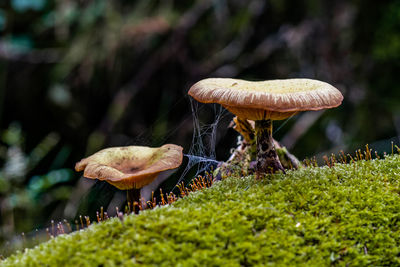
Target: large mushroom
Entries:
(132, 167)
(265, 101)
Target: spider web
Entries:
(201, 155)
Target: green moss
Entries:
(348, 214)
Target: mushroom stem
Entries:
(132, 196)
(267, 158)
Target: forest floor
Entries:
(346, 214)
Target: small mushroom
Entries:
(264, 102)
(132, 167)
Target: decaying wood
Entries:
(267, 157)
(243, 157)
(246, 149)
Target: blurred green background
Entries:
(78, 76)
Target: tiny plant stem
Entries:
(267, 158)
(132, 196)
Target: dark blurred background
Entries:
(78, 76)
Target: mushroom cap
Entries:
(274, 99)
(131, 166)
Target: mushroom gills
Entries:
(267, 158)
(259, 113)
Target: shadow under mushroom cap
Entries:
(132, 166)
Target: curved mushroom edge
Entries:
(123, 168)
(227, 92)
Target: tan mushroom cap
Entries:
(132, 166)
(274, 99)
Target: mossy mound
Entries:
(348, 214)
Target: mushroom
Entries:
(265, 101)
(132, 167)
